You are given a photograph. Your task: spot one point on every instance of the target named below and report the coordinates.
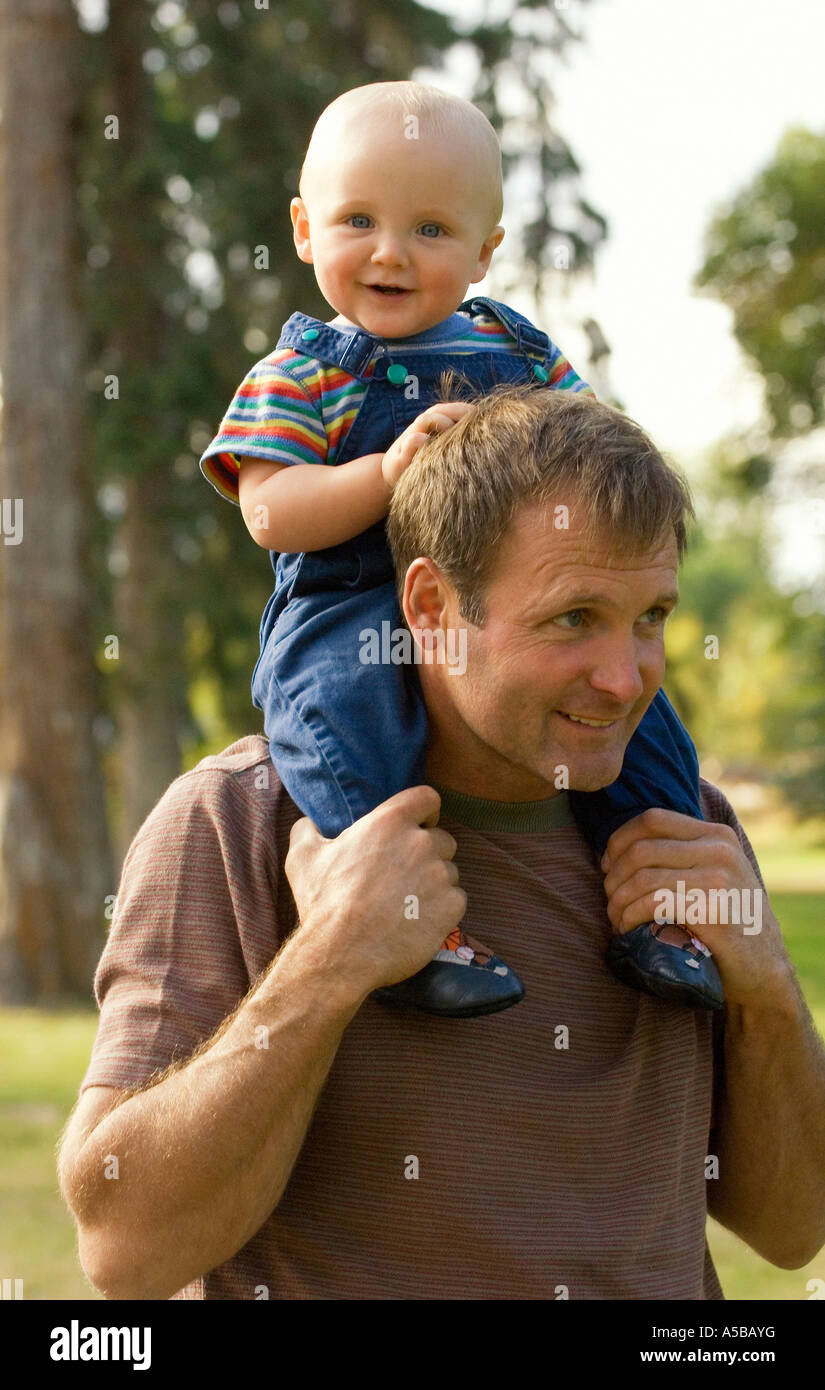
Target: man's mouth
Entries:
(591, 723)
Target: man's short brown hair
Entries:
(522, 444)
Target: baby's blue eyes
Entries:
(360, 221)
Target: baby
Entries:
(399, 207)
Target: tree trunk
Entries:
(55, 865)
(151, 694)
(152, 688)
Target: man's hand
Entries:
(661, 849)
(438, 418)
(381, 897)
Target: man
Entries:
(255, 1123)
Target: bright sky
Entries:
(670, 107)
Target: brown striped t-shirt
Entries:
(559, 1146)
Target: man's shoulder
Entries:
(715, 805)
(235, 761)
(238, 787)
(244, 753)
(245, 764)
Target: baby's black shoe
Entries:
(680, 970)
(463, 980)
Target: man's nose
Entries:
(618, 671)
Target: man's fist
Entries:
(380, 898)
(400, 455)
(705, 862)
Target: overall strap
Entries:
(529, 338)
(351, 351)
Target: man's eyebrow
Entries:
(590, 600)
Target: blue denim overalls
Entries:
(345, 734)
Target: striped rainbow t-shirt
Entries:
(291, 408)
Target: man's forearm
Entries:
(770, 1132)
(204, 1155)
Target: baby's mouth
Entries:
(388, 289)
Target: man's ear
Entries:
(426, 600)
(300, 229)
(485, 255)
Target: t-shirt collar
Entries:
(517, 816)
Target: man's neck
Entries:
(458, 758)
(485, 775)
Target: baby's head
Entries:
(399, 203)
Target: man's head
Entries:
(549, 527)
(400, 197)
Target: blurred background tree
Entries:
(766, 261)
(55, 866)
(763, 712)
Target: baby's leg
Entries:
(345, 732)
(348, 729)
(660, 769)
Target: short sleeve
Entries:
(563, 377)
(195, 922)
(271, 416)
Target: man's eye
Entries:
(656, 615)
(431, 229)
(358, 219)
(573, 619)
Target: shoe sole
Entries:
(674, 993)
(496, 1006)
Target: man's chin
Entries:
(593, 757)
(594, 779)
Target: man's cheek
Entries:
(652, 669)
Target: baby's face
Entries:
(396, 229)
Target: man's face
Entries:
(568, 637)
(396, 229)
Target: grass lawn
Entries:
(43, 1056)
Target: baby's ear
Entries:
(300, 229)
(485, 255)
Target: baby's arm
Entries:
(309, 506)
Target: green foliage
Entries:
(765, 259)
(760, 704)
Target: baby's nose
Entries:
(390, 249)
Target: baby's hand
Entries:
(400, 455)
